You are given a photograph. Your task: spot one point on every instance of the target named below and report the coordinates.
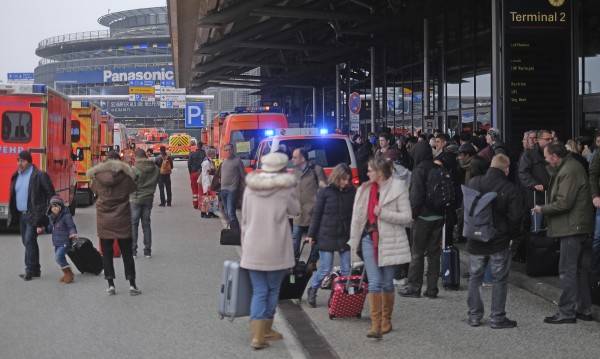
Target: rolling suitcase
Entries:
(295, 280)
(348, 296)
(450, 264)
(85, 257)
(236, 291)
(543, 255)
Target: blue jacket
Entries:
(61, 227)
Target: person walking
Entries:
(165, 163)
(145, 176)
(377, 233)
(232, 175)
(113, 182)
(310, 179)
(208, 171)
(330, 226)
(507, 212)
(63, 231)
(571, 220)
(269, 198)
(194, 166)
(30, 193)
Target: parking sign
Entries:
(194, 111)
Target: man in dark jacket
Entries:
(426, 229)
(30, 193)
(164, 179)
(507, 214)
(532, 170)
(194, 166)
(571, 220)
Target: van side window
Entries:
(16, 126)
(75, 131)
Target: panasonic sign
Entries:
(162, 74)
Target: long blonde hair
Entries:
(341, 171)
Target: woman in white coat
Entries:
(377, 234)
(207, 173)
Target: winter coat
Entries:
(207, 166)
(595, 176)
(269, 199)
(40, 191)
(310, 179)
(569, 209)
(423, 159)
(61, 227)
(395, 215)
(195, 160)
(112, 182)
(145, 176)
(532, 172)
(507, 211)
(330, 223)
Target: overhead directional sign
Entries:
(171, 97)
(354, 102)
(143, 90)
(145, 83)
(194, 113)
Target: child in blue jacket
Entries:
(63, 231)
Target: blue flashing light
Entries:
(323, 131)
(85, 103)
(269, 133)
(39, 88)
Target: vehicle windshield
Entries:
(245, 142)
(325, 152)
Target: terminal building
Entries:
(417, 65)
(136, 46)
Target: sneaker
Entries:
(111, 290)
(148, 255)
(134, 291)
(401, 282)
(486, 285)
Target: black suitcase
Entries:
(295, 280)
(450, 264)
(86, 258)
(594, 282)
(543, 255)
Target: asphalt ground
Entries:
(176, 316)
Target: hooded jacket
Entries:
(269, 199)
(61, 225)
(423, 160)
(113, 181)
(330, 222)
(145, 176)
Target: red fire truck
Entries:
(107, 134)
(37, 119)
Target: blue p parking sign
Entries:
(194, 111)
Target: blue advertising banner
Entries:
(109, 76)
(20, 76)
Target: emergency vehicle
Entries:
(37, 119)
(179, 145)
(86, 137)
(107, 134)
(324, 149)
(122, 143)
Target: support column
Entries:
(497, 67)
(337, 96)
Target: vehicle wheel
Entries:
(330, 317)
(73, 206)
(90, 198)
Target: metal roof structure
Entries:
(108, 19)
(294, 42)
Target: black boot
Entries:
(203, 215)
(311, 297)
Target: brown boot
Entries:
(270, 334)
(69, 275)
(386, 312)
(375, 306)
(258, 334)
(62, 279)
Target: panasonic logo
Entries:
(163, 74)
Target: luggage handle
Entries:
(545, 197)
(362, 278)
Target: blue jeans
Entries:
(327, 265)
(141, 211)
(487, 276)
(32, 250)
(575, 295)
(59, 255)
(297, 232)
(500, 266)
(595, 266)
(229, 198)
(265, 293)
(381, 279)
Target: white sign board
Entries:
(354, 122)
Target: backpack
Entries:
(478, 214)
(165, 166)
(440, 188)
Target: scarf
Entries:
(373, 201)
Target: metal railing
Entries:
(78, 36)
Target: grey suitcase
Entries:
(236, 291)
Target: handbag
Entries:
(230, 237)
(215, 184)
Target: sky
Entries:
(25, 23)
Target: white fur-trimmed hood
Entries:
(111, 166)
(266, 181)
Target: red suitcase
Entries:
(348, 297)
